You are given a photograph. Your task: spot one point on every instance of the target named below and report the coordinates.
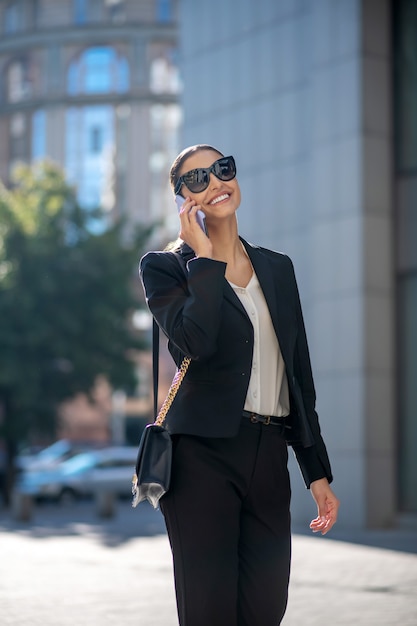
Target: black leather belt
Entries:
(268, 420)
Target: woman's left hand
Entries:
(327, 506)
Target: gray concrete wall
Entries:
(299, 92)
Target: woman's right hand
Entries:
(191, 231)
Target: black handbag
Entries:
(152, 477)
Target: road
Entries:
(68, 567)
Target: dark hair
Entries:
(174, 172)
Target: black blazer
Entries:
(203, 318)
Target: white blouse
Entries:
(268, 385)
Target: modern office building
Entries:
(93, 85)
(317, 100)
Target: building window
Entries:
(116, 10)
(164, 127)
(96, 139)
(13, 17)
(18, 138)
(90, 148)
(15, 82)
(164, 73)
(17, 125)
(80, 11)
(98, 70)
(38, 134)
(164, 10)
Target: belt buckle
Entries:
(267, 420)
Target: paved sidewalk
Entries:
(67, 567)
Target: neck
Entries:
(228, 248)
(225, 240)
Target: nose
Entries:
(214, 181)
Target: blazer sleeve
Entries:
(187, 308)
(313, 460)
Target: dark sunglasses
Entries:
(198, 180)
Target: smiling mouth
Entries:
(224, 196)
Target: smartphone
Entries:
(201, 218)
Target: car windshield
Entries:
(57, 449)
(78, 463)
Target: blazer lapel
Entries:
(231, 297)
(273, 287)
(274, 293)
(187, 253)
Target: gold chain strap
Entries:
(172, 392)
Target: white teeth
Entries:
(219, 198)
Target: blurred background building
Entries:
(317, 100)
(93, 85)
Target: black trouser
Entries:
(228, 521)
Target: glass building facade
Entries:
(95, 87)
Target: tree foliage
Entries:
(66, 298)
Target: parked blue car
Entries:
(45, 457)
(109, 469)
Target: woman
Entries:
(234, 309)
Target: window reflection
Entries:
(165, 121)
(12, 18)
(116, 10)
(164, 74)
(164, 10)
(17, 125)
(90, 152)
(80, 11)
(96, 139)
(15, 82)
(18, 134)
(98, 70)
(90, 130)
(38, 134)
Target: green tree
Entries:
(66, 298)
